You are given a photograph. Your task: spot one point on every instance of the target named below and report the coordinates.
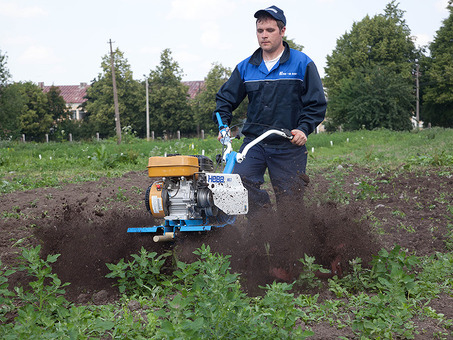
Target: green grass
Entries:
(31, 165)
(382, 148)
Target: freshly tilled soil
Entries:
(87, 222)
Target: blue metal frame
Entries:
(231, 162)
(170, 225)
(183, 225)
(231, 157)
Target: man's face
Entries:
(269, 36)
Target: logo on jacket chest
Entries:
(287, 73)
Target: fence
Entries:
(152, 138)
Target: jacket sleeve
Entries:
(230, 95)
(314, 101)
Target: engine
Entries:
(189, 191)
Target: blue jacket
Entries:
(290, 96)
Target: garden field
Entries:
(378, 202)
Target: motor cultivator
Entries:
(190, 197)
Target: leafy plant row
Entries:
(204, 300)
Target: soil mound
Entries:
(257, 244)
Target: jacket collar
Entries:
(257, 56)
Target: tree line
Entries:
(369, 82)
(370, 75)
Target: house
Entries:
(73, 95)
(195, 87)
(415, 124)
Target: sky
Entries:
(63, 42)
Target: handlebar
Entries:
(241, 155)
(229, 156)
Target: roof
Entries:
(194, 87)
(72, 94)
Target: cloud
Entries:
(199, 9)
(16, 11)
(185, 57)
(211, 34)
(211, 37)
(441, 5)
(187, 61)
(10, 39)
(39, 55)
(150, 50)
(422, 39)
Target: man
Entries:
(284, 91)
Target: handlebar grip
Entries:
(219, 121)
(288, 133)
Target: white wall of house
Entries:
(76, 112)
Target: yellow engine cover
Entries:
(173, 166)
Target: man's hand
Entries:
(299, 137)
(219, 137)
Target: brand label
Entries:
(216, 179)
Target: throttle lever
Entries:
(288, 133)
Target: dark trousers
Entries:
(286, 171)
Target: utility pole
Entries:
(115, 96)
(417, 103)
(147, 109)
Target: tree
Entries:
(293, 44)
(34, 121)
(56, 105)
(437, 77)
(62, 125)
(374, 47)
(131, 98)
(9, 101)
(373, 98)
(12, 104)
(168, 98)
(205, 101)
(4, 72)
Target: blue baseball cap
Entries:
(274, 12)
